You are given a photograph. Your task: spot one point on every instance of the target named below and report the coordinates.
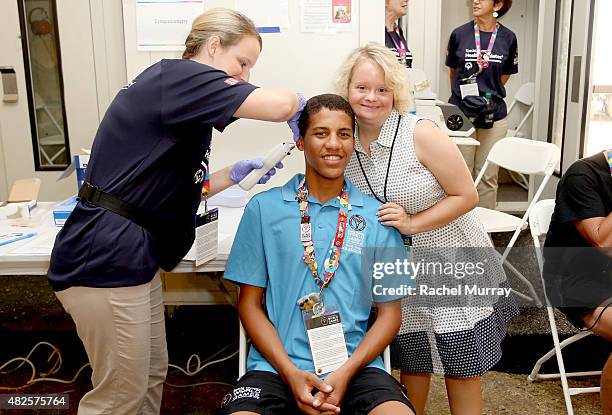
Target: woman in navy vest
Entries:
(394, 35)
(481, 55)
(136, 211)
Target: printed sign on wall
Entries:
(163, 25)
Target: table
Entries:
(184, 285)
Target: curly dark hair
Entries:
(504, 8)
(315, 104)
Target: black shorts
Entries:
(265, 393)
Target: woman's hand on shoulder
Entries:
(436, 151)
(269, 104)
(392, 214)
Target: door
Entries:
(47, 56)
(582, 124)
(598, 135)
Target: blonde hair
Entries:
(229, 25)
(396, 78)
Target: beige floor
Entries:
(512, 394)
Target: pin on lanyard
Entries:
(333, 260)
(400, 48)
(609, 158)
(483, 59)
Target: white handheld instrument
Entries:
(276, 155)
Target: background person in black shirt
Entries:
(578, 252)
(491, 70)
(394, 35)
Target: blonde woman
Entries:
(136, 210)
(418, 173)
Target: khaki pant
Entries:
(124, 336)
(475, 157)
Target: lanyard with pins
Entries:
(333, 260)
(400, 47)
(609, 158)
(483, 58)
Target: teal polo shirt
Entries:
(267, 252)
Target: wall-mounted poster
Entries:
(163, 25)
(328, 16)
(341, 11)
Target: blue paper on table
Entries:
(9, 237)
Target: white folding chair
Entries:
(243, 351)
(522, 156)
(525, 96)
(539, 220)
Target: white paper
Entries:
(163, 25)
(468, 90)
(328, 16)
(328, 348)
(206, 244)
(266, 14)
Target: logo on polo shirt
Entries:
(357, 222)
(231, 81)
(128, 85)
(199, 175)
(355, 236)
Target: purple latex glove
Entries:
(293, 122)
(242, 168)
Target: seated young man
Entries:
(578, 252)
(319, 218)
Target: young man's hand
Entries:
(302, 383)
(339, 382)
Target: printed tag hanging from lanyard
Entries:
(322, 321)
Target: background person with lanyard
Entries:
(481, 55)
(415, 169)
(394, 35)
(137, 208)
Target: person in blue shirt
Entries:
(482, 55)
(274, 258)
(136, 211)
